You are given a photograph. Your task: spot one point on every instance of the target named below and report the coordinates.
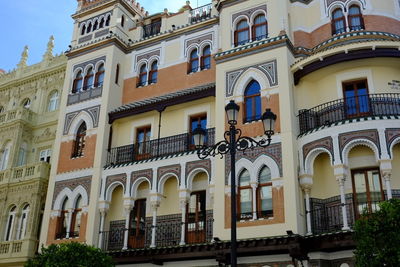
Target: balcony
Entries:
(168, 233)
(26, 172)
(21, 113)
(17, 249)
(85, 94)
(349, 108)
(200, 13)
(151, 29)
(155, 148)
(326, 214)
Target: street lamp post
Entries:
(233, 141)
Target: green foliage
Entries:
(70, 255)
(378, 236)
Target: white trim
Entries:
(163, 179)
(361, 74)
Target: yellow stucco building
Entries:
(29, 103)
(126, 176)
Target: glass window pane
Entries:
(245, 201)
(244, 179)
(265, 175)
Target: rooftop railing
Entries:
(200, 13)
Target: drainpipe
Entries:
(160, 110)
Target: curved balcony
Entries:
(356, 107)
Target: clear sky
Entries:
(31, 22)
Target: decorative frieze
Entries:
(85, 182)
(92, 111)
(173, 169)
(147, 173)
(326, 143)
(371, 135)
(197, 164)
(116, 178)
(391, 135)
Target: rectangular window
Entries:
(195, 120)
(356, 98)
(45, 155)
(137, 224)
(196, 218)
(367, 189)
(143, 143)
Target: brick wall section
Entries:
(277, 206)
(323, 33)
(66, 163)
(169, 80)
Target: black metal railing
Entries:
(155, 148)
(387, 104)
(200, 13)
(168, 233)
(151, 29)
(326, 214)
(63, 235)
(113, 239)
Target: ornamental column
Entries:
(254, 196)
(340, 174)
(155, 203)
(103, 209)
(386, 171)
(69, 221)
(184, 198)
(306, 182)
(128, 206)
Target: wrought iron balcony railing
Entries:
(202, 12)
(326, 214)
(155, 148)
(168, 233)
(151, 29)
(387, 104)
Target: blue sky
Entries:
(31, 22)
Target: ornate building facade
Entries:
(29, 102)
(126, 175)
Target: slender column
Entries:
(16, 226)
(306, 182)
(127, 211)
(69, 221)
(254, 191)
(154, 206)
(386, 177)
(183, 205)
(103, 214)
(341, 179)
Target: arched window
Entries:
(264, 194)
(22, 154)
(26, 103)
(89, 27)
(252, 102)
(95, 25)
(77, 84)
(338, 21)
(23, 221)
(122, 21)
(101, 24)
(206, 58)
(194, 61)
(242, 32)
(4, 156)
(117, 74)
(53, 101)
(355, 18)
(79, 143)
(89, 78)
(62, 224)
(83, 29)
(108, 20)
(98, 81)
(142, 75)
(153, 72)
(259, 27)
(10, 224)
(245, 196)
(76, 218)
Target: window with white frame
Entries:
(23, 223)
(10, 224)
(53, 101)
(4, 156)
(22, 154)
(45, 155)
